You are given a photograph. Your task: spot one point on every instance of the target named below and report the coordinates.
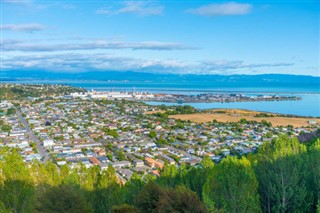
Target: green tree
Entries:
(195, 178)
(180, 199)
(120, 155)
(169, 176)
(6, 128)
(132, 187)
(152, 134)
(16, 187)
(124, 208)
(313, 171)
(232, 186)
(207, 162)
(11, 111)
(243, 121)
(154, 198)
(63, 198)
(281, 172)
(148, 198)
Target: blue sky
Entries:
(169, 36)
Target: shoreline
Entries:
(184, 90)
(200, 90)
(236, 101)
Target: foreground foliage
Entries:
(284, 176)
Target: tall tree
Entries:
(63, 198)
(16, 188)
(280, 169)
(148, 198)
(180, 199)
(232, 186)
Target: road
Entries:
(45, 155)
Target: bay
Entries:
(308, 106)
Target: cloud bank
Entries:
(38, 46)
(74, 62)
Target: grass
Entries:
(234, 115)
(154, 112)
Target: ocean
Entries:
(308, 106)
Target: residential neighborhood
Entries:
(119, 133)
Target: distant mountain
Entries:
(263, 79)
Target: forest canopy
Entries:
(283, 176)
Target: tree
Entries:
(16, 187)
(195, 178)
(180, 199)
(148, 198)
(110, 132)
(124, 208)
(266, 123)
(63, 198)
(53, 177)
(109, 156)
(107, 191)
(243, 121)
(207, 162)
(154, 198)
(120, 155)
(6, 128)
(161, 141)
(152, 134)
(313, 171)
(232, 186)
(11, 111)
(168, 176)
(132, 187)
(281, 172)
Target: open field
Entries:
(236, 115)
(154, 112)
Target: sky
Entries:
(168, 36)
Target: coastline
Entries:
(218, 101)
(308, 106)
(147, 86)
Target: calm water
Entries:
(308, 106)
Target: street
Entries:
(45, 156)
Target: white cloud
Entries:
(140, 8)
(85, 62)
(39, 46)
(108, 62)
(22, 27)
(66, 6)
(223, 9)
(232, 65)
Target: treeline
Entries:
(22, 91)
(283, 176)
(268, 115)
(169, 110)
